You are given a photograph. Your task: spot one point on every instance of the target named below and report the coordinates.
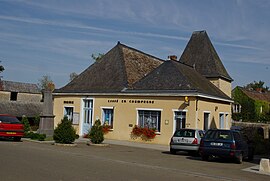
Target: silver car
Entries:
(186, 140)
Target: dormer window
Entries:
(13, 96)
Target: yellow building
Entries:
(127, 87)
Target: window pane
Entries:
(108, 117)
(149, 119)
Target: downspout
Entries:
(196, 117)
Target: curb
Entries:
(98, 145)
(70, 145)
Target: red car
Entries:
(11, 127)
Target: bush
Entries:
(35, 136)
(26, 125)
(64, 132)
(96, 134)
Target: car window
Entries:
(218, 134)
(224, 135)
(185, 133)
(7, 119)
(201, 134)
(210, 134)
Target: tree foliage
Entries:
(1, 68)
(72, 76)
(64, 132)
(96, 133)
(45, 83)
(26, 125)
(257, 85)
(97, 57)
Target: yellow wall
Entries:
(125, 113)
(223, 85)
(4, 96)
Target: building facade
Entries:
(127, 87)
(20, 99)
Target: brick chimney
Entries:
(172, 57)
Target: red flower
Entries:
(145, 133)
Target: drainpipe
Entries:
(196, 117)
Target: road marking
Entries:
(255, 169)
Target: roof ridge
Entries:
(121, 55)
(139, 51)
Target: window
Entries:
(13, 96)
(68, 112)
(180, 119)
(221, 121)
(149, 119)
(107, 117)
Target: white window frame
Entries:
(174, 121)
(103, 116)
(64, 110)
(149, 109)
(226, 116)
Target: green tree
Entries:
(96, 133)
(1, 68)
(64, 132)
(26, 125)
(45, 82)
(257, 85)
(97, 57)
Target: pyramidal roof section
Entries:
(174, 76)
(201, 54)
(118, 69)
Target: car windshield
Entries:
(218, 134)
(9, 119)
(185, 133)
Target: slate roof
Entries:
(16, 108)
(11, 86)
(201, 54)
(255, 95)
(174, 76)
(117, 70)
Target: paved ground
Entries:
(34, 161)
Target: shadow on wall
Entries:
(183, 106)
(213, 124)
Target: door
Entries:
(180, 119)
(87, 116)
(206, 120)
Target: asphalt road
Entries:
(27, 161)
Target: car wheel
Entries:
(205, 157)
(17, 138)
(239, 159)
(172, 151)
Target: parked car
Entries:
(11, 127)
(186, 140)
(225, 144)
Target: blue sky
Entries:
(57, 37)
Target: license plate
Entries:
(182, 140)
(216, 144)
(11, 132)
